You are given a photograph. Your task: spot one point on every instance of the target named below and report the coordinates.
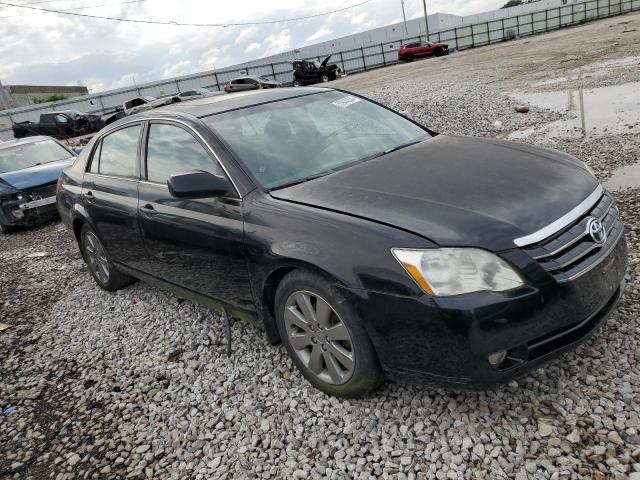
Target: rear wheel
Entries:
(102, 269)
(324, 336)
(438, 52)
(296, 83)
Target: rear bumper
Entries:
(448, 340)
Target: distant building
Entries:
(14, 96)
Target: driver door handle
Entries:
(148, 209)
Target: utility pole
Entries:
(426, 17)
(404, 17)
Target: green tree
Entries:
(51, 98)
(512, 3)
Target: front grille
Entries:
(44, 191)
(571, 251)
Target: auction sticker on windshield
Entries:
(344, 102)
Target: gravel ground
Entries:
(136, 383)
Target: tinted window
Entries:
(171, 149)
(119, 152)
(95, 161)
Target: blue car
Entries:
(29, 171)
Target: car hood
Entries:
(324, 62)
(455, 191)
(34, 176)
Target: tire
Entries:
(102, 269)
(7, 229)
(324, 78)
(322, 360)
(438, 52)
(296, 83)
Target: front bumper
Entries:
(28, 211)
(447, 340)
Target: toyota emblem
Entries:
(596, 231)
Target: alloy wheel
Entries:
(319, 338)
(325, 78)
(96, 257)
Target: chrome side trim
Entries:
(563, 221)
(189, 127)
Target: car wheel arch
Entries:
(77, 228)
(270, 287)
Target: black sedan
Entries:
(29, 171)
(369, 245)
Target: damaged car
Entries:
(29, 171)
(371, 246)
(309, 72)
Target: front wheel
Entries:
(324, 78)
(296, 83)
(324, 336)
(102, 269)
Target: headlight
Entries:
(453, 271)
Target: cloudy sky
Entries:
(47, 48)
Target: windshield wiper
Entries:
(399, 147)
(302, 180)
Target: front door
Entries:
(193, 243)
(110, 191)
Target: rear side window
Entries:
(171, 149)
(118, 153)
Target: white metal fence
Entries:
(351, 61)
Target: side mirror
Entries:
(198, 184)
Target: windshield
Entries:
(31, 154)
(287, 141)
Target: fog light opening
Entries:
(495, 359)
(19, 214)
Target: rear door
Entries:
(110, 192)
(193, 243)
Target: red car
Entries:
(421, 49)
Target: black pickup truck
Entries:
(60, 125)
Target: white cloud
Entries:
(253, 46)
(277, 43)
(246, 34)
(323, 32)
(359, 18)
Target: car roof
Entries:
(23, 141)
(203, 107)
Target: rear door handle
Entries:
(148, 209)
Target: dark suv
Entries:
(370, 245)
(310, 72)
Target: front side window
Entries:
(289, 140)
(171, 149)
(119, 152)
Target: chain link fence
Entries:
(351, 61)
